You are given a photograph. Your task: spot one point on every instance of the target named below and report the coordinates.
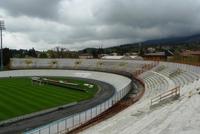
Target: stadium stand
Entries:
(168, 118)
(159, 78)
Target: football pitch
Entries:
(18, 96)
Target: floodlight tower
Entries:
(2, 27)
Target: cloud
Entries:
(34, 8)
(77, 24)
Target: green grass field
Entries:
(19, 97)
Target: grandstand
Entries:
(179, 115)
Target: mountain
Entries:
(175, 40)
(187, 42)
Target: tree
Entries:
(95, 53)
(43, 55)
(51, 54)
(141, 52)
(6, 56)
(32, 53)
(60, 52)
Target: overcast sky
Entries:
(77, 24)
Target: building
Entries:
(86, 56)
(109, 57)
(191, 55)
(122, 57)
(159, 56)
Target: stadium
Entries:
(54, 96)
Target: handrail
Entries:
(170, 93)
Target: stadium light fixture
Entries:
(2, 27)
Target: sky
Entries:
(78, 24)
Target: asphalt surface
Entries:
(106, 92)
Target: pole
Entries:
(1, 51)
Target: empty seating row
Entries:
(154, 83)
(180, 77)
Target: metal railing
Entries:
(69, 123)
(35, 114)
(165, 95)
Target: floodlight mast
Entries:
(2, 27)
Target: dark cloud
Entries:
(163, 14)
(35, 8)
(78, 24)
